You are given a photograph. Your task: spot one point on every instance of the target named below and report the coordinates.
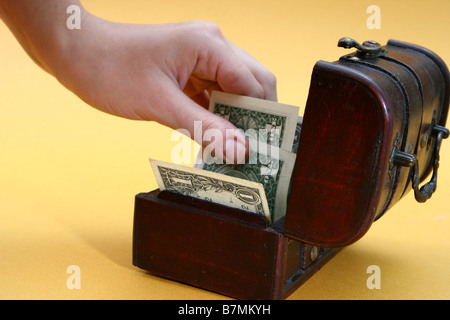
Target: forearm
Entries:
(40, 27)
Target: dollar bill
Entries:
(276, 129)
(210, 186)
(298, 129)
(273, 172)
(274, 123)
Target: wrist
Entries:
(78, 54)
(66, 44)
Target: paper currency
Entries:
(276, 129)
(261, 185)
(298, 129)
(274, 174)
(274, 123)
(211, 186)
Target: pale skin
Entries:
(163, 73)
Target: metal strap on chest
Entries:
(372, 50)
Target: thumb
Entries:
(221, 139)
(216, 135)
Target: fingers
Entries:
(234, 70)
(235, 77)
(240, 73)
(206, 60)
(216, 135)
(266, 79)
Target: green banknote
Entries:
(274, 174)
(273, 130)
(298, 129)
(261, 184)
(210, 186)
(268, 122)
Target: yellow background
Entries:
(69, 173)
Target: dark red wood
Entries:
(340, 172)
(438, 62)
(184, 243)
(215, 209)
(228, 256)
(433, 76)
(358, 111)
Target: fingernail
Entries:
(234, 152)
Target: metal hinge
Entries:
(369, 49)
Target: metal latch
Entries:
(369, 49)
(400, 158)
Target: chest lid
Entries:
(355, 116)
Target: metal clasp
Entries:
(369, 49)
(404, 159)
(426, 191)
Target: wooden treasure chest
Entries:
(371, 132)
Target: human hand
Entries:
(163, 73)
